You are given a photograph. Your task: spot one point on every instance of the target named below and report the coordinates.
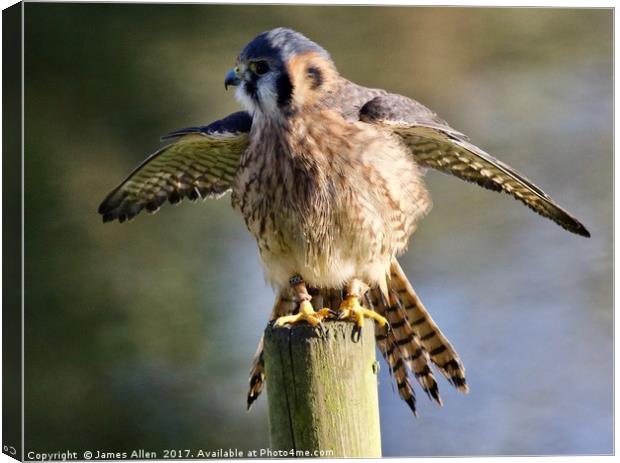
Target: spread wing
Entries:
(435, 144)
(200, 163)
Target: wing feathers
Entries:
(470, 163)
(201, 163)
(435, 144)
(239, 122)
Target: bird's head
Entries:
(281, 70)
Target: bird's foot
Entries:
(306, 313)
(351, 309)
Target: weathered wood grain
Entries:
(322, 390)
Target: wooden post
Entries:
(322, 390)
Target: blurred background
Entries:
(140, 335)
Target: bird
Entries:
(328, 176)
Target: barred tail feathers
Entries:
(441, 352)
(284, 305)
(257, 375)
(396, 366)
(391, 352)
(405, 343)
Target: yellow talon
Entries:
(352, 309)
(306, 313)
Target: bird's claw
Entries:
(306, 313)
(352, 309)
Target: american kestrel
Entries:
(327, 175)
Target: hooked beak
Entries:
(231, 79)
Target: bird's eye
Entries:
(259, 67)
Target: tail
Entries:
(401, 350)
(414, 340)
(284, 305)
(441, 352)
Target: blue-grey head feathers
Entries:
(281, 43)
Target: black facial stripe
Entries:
(284, 88)
(250, 88)
(316, 77)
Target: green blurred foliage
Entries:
(140, 335)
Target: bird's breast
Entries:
(318, 191)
